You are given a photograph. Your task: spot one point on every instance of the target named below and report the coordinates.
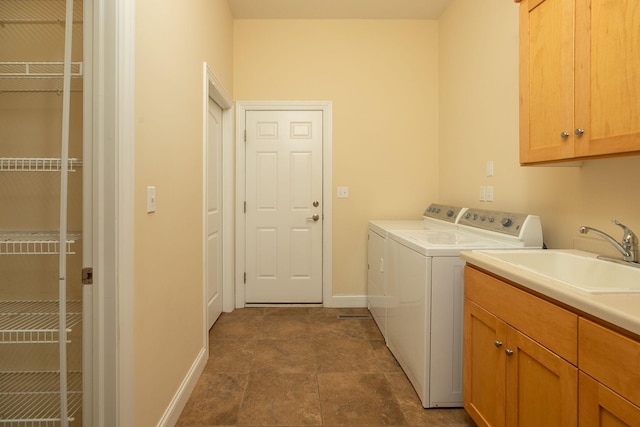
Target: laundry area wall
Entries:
(172, 42)
(479, 103)
(381, 76)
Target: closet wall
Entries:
(31, 107)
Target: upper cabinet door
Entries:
(607, 77)
(546, 80)
(579, 79)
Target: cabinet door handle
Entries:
(508, 352)
(579, 131)
(497, 343)
(564, 135)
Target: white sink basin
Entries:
(580, 270)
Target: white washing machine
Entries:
(425, 295)
(435, 216)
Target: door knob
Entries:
(315, 217)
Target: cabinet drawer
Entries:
(610, 358)
(544, 322)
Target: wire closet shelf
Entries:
(43, 398)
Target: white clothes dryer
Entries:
(435, 216)
(425, 294)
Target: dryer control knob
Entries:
(507, 222)
(450, 213)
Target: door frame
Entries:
(213, 88)
(326, 107)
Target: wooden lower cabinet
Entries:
(484, 366)
(542, 388)
(530, 363)
(511, 380)
(602, 407)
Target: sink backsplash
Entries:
(596, 246)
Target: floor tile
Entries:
(285, 328)
(385, 358)
(413, 411)
(345, 355)
(330, 311)
(286, 311)
(302, 366)
(358, 399)
(236, 327)
(284, 356)
(330, 327)
(215, 400)
(231, 355)
(281, 400)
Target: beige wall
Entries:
(172, 42)
(479, 122)
(382, 79)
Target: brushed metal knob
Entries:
(508, 352)
(579, 131)
(497, 343)
(564, 135)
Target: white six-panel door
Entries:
(214, 213)
(283, 236)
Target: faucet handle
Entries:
(629, 236)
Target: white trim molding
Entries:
(327, 131)
(124, 216)
(215, 90)
(112, 113)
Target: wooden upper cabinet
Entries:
(546, 80)
(579, 79)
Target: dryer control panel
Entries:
(443, 212)
(501, 222)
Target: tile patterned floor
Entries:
(303, 366)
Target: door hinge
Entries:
(245, 136)
(245, 278)
(245, 207)
(87, 276)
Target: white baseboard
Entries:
(343, 301)
(171, 415)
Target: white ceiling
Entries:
(338, 9)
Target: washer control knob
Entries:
(506, 222)
(450, 213)
(491, 219)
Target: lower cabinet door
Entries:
(541, 387)
(483, 373)
(602, 407)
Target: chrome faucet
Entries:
(629, 245)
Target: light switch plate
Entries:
(151, 199)
(489, 167)
(343, 193)
(489, 193)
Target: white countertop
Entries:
(622, 310)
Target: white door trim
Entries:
(113, 208)
(214, 89)
(124, 215)
(326, 108)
